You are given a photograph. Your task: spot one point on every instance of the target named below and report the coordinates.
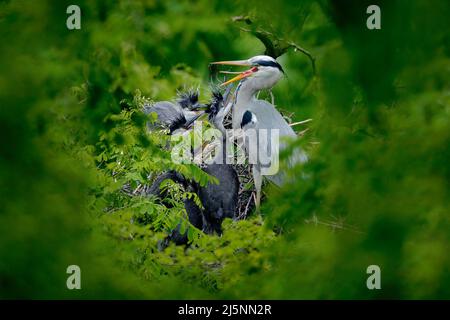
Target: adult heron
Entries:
(264, 73)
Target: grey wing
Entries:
(224, 195)
(189, 115)
(269, 118)
(168, 114)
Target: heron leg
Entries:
(257, 178)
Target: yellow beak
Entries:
(241, 75)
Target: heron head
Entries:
(264, 73)
(188, 99)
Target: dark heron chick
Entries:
(216, 104)
(219, 107)
(188, 99)
(178, 115)
(194, 212)
(219, 200)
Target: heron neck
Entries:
(219, 126)
(245, 92)
(244, 97)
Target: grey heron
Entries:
(264, 73)
(219, 200)
(174, 115)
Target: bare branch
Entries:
(300, 122)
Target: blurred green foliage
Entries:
(376, 189)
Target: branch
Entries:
(307, 53)
(274, 45)
(300, 122)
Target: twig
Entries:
(301, 133)
(306, 53)
(246, 208)
(334, 225)
(276, 47)
(300, 122)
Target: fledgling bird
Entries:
(194, 212)
(174, 115)
(219, 200)
(188, 99)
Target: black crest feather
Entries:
(215, 105)
(188, 99)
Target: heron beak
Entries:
(242, 63)
(230, 72)
(241, 75)
(200, 107)
(189, 123)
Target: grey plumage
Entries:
(267, 117)
(264, 73)
(169, 116)
(219, 200)
(193, 211)
(173, 115)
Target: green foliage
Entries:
(375, 191)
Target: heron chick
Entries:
(176, 115)
(219, 200)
